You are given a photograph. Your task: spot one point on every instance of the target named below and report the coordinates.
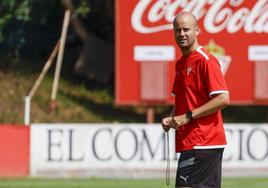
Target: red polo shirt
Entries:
(198, 76)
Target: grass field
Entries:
(116, 183)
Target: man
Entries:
(200, 93)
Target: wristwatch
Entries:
(189, 115)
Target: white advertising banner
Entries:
(83, 149)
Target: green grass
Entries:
(79, 100)
(118, 183)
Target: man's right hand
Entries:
(166, 123)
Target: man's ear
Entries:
(197, 30)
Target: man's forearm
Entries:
(217, 103)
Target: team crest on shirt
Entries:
(189, 69)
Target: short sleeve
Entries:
(214, 78)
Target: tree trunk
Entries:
(76, 23)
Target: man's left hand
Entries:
(179, 121)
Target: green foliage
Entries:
(83, 9)
(22, 12)
(14, 9)
(25, 24)
(3, 21)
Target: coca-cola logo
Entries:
(150, 16)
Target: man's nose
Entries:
(181, 33)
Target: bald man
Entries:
(200, 93)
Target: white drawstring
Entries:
(168, 160)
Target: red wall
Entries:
(14, 150)
(139, 23)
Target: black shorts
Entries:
(200, 168)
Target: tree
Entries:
(13, 10)
(26, 24)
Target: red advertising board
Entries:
(15, 148)
(235, 31)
